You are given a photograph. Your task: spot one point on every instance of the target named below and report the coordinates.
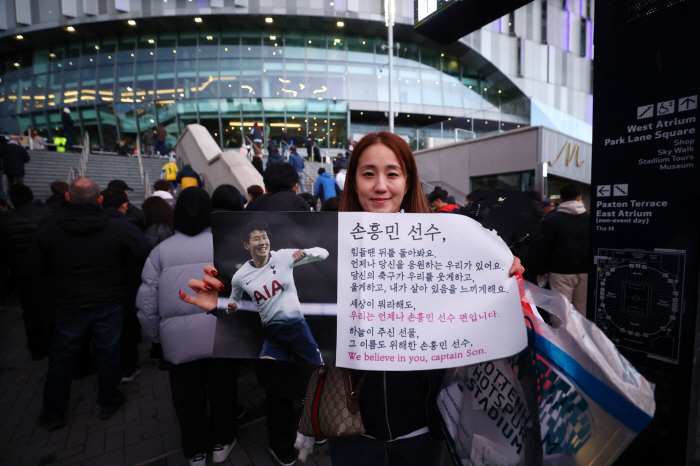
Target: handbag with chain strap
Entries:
(331, 406)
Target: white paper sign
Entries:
(424, 291)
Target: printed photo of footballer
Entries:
(283, 271)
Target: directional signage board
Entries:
(645, 208)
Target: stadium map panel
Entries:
(639, 300)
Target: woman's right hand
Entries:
(207, 290)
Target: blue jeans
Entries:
(160, 147)
(287, 338)
(365, 451)
(73, 328)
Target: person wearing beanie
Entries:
(203, 388)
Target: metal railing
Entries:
(143, 173)
(75, 173)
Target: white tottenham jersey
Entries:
(272, 286)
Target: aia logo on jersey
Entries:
(276, 287)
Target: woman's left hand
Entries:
(517, 267)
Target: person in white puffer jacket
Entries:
(204, 389)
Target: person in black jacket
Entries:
(83, 254)
(18, 228)
(281, 183)
(12, 158)
(133, 214)
(565, 246)
(115, 204)
(67, 122)
(58, 195)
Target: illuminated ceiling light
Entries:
(70, 29)
(486, 88)
(17, 65)
(362, 113)
(273, 37)
(198, 19)
(450, 119)
(518, 126)
(131, 22)
(210, 37)
(429, 117)
(442, 54)
(268, 20)
(499, 91)
(340, 24)
(174, 51)
(52, 55)
(408, 116)
(363, 42)
(19, 37)
(97, 47)
(309, 42)
(332, 4)
(486, 122)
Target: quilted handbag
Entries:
(331, 406)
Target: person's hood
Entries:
(83, 218)
(163, 194)
(571, 207)
(325, 175)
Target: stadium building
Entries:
(317, 67)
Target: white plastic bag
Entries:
(590, 402)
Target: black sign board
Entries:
(645, 206)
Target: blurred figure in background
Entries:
(227, 198)
(254, 191)
(159, 220)
(163, 190)
(18, 228)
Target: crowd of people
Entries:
(116, 272)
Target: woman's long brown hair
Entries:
(414, 200)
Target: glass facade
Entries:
(226, 82)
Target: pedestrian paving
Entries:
(144, 431)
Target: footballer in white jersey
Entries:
(268, 279)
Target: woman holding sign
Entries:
(398, 408)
